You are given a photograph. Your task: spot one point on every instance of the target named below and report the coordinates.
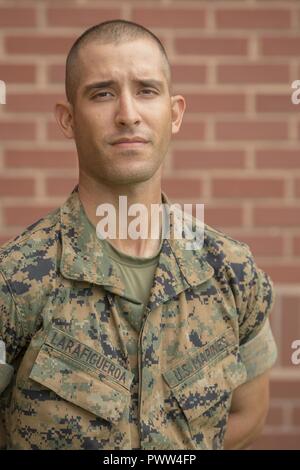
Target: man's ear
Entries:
(178, 107)
(64, 118)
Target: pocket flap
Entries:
(69, 381)
(203, 392)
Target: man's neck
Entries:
(92, 194)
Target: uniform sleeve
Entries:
(257, 345)
(11, 332)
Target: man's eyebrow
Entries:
(98, 85)
(151, 82)
(107, 83)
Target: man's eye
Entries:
(148, 91)
(101, 94)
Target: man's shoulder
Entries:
(34, 246)
(225, 252)
(221, 242)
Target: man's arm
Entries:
(249, 409)
(11, 333)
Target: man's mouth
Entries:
(130, 144)
(130, 141)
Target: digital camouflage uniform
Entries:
(84, 375)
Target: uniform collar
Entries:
(84, 259)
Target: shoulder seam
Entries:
(228, 237)
(24, 237)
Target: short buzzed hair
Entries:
(108, 32)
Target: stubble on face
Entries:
(123, 109)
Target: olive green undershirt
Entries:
(136, 273)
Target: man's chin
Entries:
(131, 179)
(132, 176)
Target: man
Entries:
(128, 343)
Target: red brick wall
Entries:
(238, 150)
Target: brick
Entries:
(182, 187)
(297, 187)
(271, 103)
(278, 216)
(215, 103)
(285, 388)
(277, 158)
(280, 46)
(189, 73)
(20, 18)
(40, 158)
(83, 17)
(33, 102)
(17, 73)
(17, 130)
(10, 186)
(275, 416)
(169, 17)
(280, 441)
(247, 187)
(38, 44)
(290, 327)
(251, 130)
(256, 18)
(296, 245)
(24, 216)
(296, 416)
(283, 273)
(56, 73)
(252, 73)
(263, 245)
(223, 216)
(190, 131)
(208, 159)
(54, 133)
(222, 46)
(60, 186)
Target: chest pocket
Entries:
(79, 385)
(205, 396)
(69, 396)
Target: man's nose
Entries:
(127, 112)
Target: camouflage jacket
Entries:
(79, 377)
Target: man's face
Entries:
(136, 104)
